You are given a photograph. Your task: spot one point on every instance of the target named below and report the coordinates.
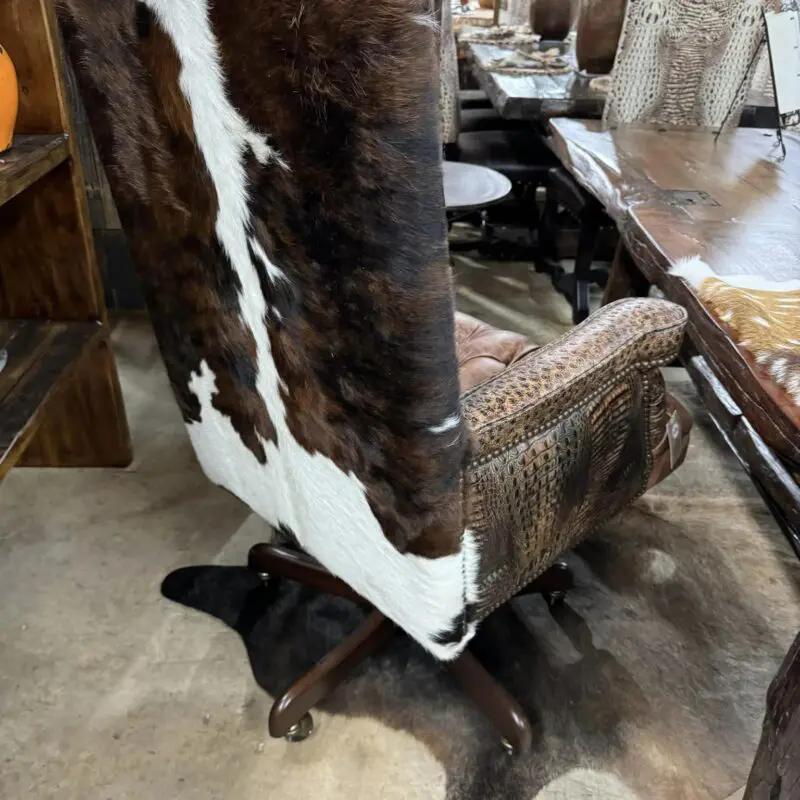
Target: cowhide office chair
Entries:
(279, 178)
(565, 436)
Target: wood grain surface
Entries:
(49, 272)
(31, 39)
(779, 488)
(29, 159)
(39, 357)
(45, 271)
(533, 97)
(48, 265)
(86, 426)
(776, 769)
(734, 204)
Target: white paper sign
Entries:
(783, 35)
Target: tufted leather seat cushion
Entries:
(483, 351)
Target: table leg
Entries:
(776, 770)
(587, 244)
(625, 278)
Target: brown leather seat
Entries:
(483, 351)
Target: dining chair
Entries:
(683, 65)
(677, 65)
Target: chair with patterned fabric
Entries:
(685, 64)
(278, 173)
(678, 64)
(564, 436)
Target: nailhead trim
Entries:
(640, 365)
(493, 577)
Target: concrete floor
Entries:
(82, 554)
(85, 670)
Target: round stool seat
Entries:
(469, 187)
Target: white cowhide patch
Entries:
(324, 506)
(694, 271)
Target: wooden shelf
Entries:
(60, 399)
(36, 358)
(30, 158)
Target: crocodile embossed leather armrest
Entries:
(565, 438)
(620, 337)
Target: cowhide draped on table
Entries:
(277, 170)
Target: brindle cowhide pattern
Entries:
(277, 170)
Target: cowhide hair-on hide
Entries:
(277, 170)
(761, 316)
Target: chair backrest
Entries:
(685, 63)
(277, 169)
(448, 76)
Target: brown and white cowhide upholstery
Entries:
(277, 169)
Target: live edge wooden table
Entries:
(736, 205)
(532, 97)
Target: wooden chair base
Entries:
(290, 713)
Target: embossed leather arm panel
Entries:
(551, 380)
(565, 439)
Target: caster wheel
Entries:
(555, 599)
(301, 730)
(507, 746)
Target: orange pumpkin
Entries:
(9, 100)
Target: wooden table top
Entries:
(542, 97)
(733, 203)
(533, 97)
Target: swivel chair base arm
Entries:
(290, 714)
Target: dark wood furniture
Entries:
(589, 214)
(537, 98)
(547, 96)
(776, 770)
(469, 189)
(733, 203)
(532, 97)
(290, 714)
(60, 401)
(540, 97)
